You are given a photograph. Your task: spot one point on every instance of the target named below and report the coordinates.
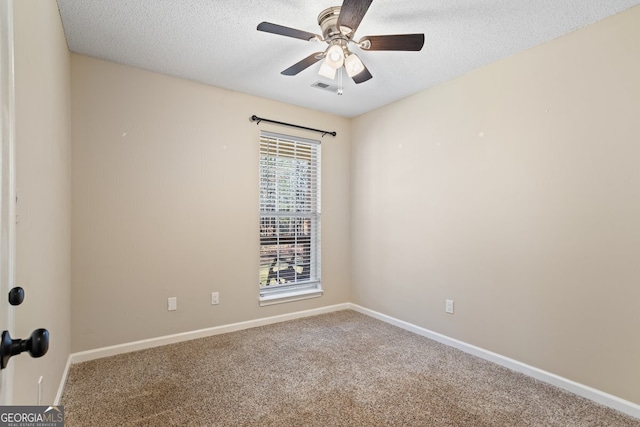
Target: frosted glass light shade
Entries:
(335, 56)
(327, 71)
(353, 64)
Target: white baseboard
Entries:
(582, 390)
(113, 350)
(63, 381)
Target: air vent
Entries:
(325, 86)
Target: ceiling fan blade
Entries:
(304, 64)
(268, 27)
(405, 42)
(351, 14)
(362, 76)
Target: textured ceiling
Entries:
(216, 42)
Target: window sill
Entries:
(294, 295)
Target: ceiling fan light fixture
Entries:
(327, 71)
(335, 56)
(353, 65)
(339, 25)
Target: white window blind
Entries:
(289, 216)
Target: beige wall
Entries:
(43, 173)
(165, 203)
(513, 190)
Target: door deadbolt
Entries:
(16, 296)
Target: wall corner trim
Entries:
(581, 390)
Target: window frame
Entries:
(274, 150)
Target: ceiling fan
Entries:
(339, 24)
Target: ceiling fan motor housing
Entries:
(328, 21)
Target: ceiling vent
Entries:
(325, 86)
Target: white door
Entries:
(7, 193)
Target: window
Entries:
(289, 218)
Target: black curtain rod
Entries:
(255, 118)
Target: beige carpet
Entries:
(338, 369)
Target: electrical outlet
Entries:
(172, 304)
(215, 298)
(448, 306)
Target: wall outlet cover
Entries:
(448, 306)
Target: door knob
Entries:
(37, 345)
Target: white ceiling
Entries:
(216, 42)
